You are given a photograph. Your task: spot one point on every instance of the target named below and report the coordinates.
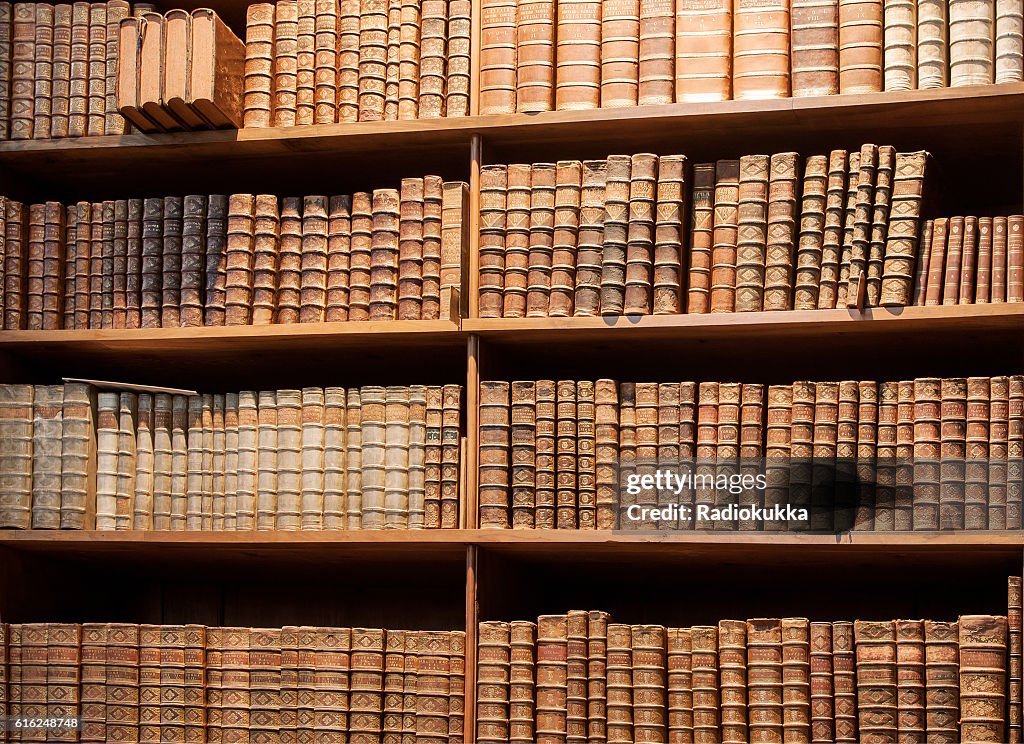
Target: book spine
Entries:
(373, 21)
(898, 271)
(777, 447)
(494, 454)
(267, 461)
(880, 224)
(339, 239)
(373, 455)
(877, 709)
(899, 45)
(458, 58)
(576, 675)
(384, 255)
(578, 55)
(106, 461)
(849, 224)
(97, 97)
(809, 243)
(170, 309)
(606, 442)
(910, 678)
(417, 455)
(566, 223)
(54, 231)
(394, 686)
(679, 708)
(286, 63)
(334, 454)
(43, 71)
(701, 239)
(751, 232)
(761, 50)
(265, 241)
(313, 267)
(616, 235)
(620, 53)
(523, 436)
(982, 640)
(396, 457)
(353, 459)
(142, 479)
(521, 688)
(47, 425)
(545, 496)
(361, 251)
(325, 61)
(432, 686)
(835, 192)
(13, 291)
(952, 452)
(703, 51)
(1015, 258)
(732, 669)
(410, 250)
(34, 266)
(409, 684)
(649, 682)
(1015, 660)
(781, 232)
(932, 44)
(796, 680)
(433, 227)
(1015, 452)
(845, 682)
(586, 463)
(432, 456)
(264, 682)
(214, 287)
(936, 273)
(815, 47)
(725, 236)
(517, 240)
(765, 669)
(493, 716)
(971, 27)
(261, 60)
(619, 691)
(670, 209)
(6, 39)
(179, 462)
(954, 259)
(113, 122)
(451, 448)
(78, 105)
(61, 72)
(305, 78)
(862, 217)
(998, 444)
(640, 235)
(192, 260)
(860, 46)
(433, 59)
(656, 73)
(493, 184)
(821, 693)
(498, 48)
(348, 60)
(289, 459)
(313, 492)
(590, 240)
(927, 423)
(983, 288)
(196, 476)
(409, 55)
(63, 681)
(239, 254)
(704, 659)
(289, 269)
(22, 71)
(541, 237)
(122, 682)
(565, 457)
(942, 681)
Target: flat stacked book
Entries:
(573, 54)
(581, 676)
(125, 682)
(925, 454)
(242, 259)
(329, 62)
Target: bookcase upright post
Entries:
(472, 620)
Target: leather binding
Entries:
(971, 27)
(954, 259)
(106, 230)
(860, 46)
(927, 451)
(305, 80)
(195, 672)
(432, 687)
(494, 453)
(517, 240)
(765, 680)
(1015, 258)
(339, 237)
(576, 675)
(703, 51)
(149, 683)
(620, 53)
(546, 455)
(849, 223)
(968, 268)
(701, 239)
(492, 679)
(264, 682)
(597, 657)
(194, 493)
(667, 297)
(761, 49)
(627, 445)
(498, 57)
(285, 55)
(396, 457)
(781, 235)
(12, 657)
(6, 30)
(78, 104)
(752, 232)
(333, 457)
(845, 473)
(238, 703)
(432, 456)
(565, 455)
(835, 195)
(586, 463)
(983, 288)
(568, 175)
(656, 53)
(258, 103)
(313, 278)
(814, 39)
(106, 458)
(493, 181)
(61, 72)
(822, 718)
(372, 455)
(616, 231)
(905, 495)
(457, 685)
(796, 719)
(384, 255)
(877, 707)
(900, 45)
(910, 676)
(360, 256)
(162, 459)
(1015, 463)
(97, 98)
(172, 682)
(732, 668)
(606, 438)
(433, 214)
(34, 268)
(777, 448)
(177, 71)
(862, 217)
(353, 460)
(982, 640)
(119, 290)
(707, 439)
(266, 461)
(417, 455)
(801, 444)
(239, 256)
(142, 479)
(409, 686)
(998, 435)
(70, 236)
(704, 660)
(47, 418)
(649, 683)
(63, 659)
(214, 684)
(646, 439)
(152, 61)
(133, 264)
(908, 184)
(942, 693)
(43, 73)
(590, 239)
(619, 690)
(289, 267)
(457, 81)
(216, 85)
(433, 41)
(23, 71)
(677, 428)
(170, 306)
(640, 235)
(679, 676)
(216, 259)
(372, 59)
(867, 452)
(83, 263)
(113, 122)
(410, 250)
(1015, 649)
(129, 68)
(999, 246)
(325, 61)
(289, 459)
(348, 60)
(394, 686)
(880, 224)
(30, 641)
(541, 236)
(936, 262)
(409, 55)
(578, 67)
(751, 450)
(523, 434)
(179, 461)
(1009, 42)
(725, 236)
(809, 242)
(228, 459)
(78, 447)
(192, 259)
(122, 681)
(932, 44)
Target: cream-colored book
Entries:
(335, 457)
(266, 461)
(47, 425)
(312, 483)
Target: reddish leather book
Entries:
(451, 447)
(781, 235)
(1015, 258)
(177, 72)
(904, 217)
(669, 408)
(552, 680)
(565, 455)
(983, 282)
(815, 47)
(522, 692)
(927, 450)
(670, 211)
(982, 640)
(373, 22)
(649, 683)
(568, 192)
(578, 55)
(1015, 662)
(937, 262)
(822, 707)
(238, 278)
(796, 680)
(704, 660)
(860, 46)
(535, 55)
(999, 247)
(910, 678)
(656, 72)
(217, 73)
(384, 255)
(640, 235)
(339, 238)
(458, 59)
(942, 683)
(867, 453)
(289, 261)
(809, 242)
(498, 57)
(620, 53)
(266, 227)
(832, 239)
(523, 453)
(493, 182)
(849, 220)
(998, 443)
(313, 278)
(541, 235)
(777, 448)
(954, 260)
(348, 60)
(586, 463)
(494, 453)
(34, 266)
(765, 681)
(305, 81)
(619, 690)
(877, 708)
(545, 496)
(492, 679)
(703, 51)
(394, 686)
(43, 70)
(359, 264)
(366, 683)
(707, 439)
(122, 682)
(410, 250)
(724, 236)
(261, 64)
(590, 239)
(646, 451)
(680, 684)
(517, 240)
(6, 32)
(924, 253)
(751, 450)
(1015, 452)
(732, 670)
(616, 235)
(701, 239)
(433, 228)
(761, 50)
(845, 682)
(576, 675)
(880, 223)
(97, 101)
(453, 263)
(22, 96)
(325, 60)
(627, 445)
(606, 439)
(597, 658)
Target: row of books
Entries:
(325, 61)
(58, 68)
(316, 458)
(922, 454)
(235, 260)
(606, 237)
(192, 683)
(541, 55)
(582, 677)
(965, 260)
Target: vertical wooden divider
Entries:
(472, 620)
(475, 44)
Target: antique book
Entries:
(942, 683)
(781, 224)
(704, 661)
(822, 708)
(195, 491)
(860, 46)
(43, 70)
(576, 675)
(619, 683)
(152, 63)
(410, 250)
(667, 286)
(433, 50)
(313, 267)
(862, 218)
(265, 245)
(432, 688)
(796, 680)
(353, 459)
(1015, 258)
(216, 259)
(170, 306)
(877, 708)
(457, 72)
(432, 456)
(541, 236)
(656, 53)
(982, 640)
(325, 61)
(451, 445)
(523, 441)
(61, 73)
(396, 457)
(517, 240)
(932, 44)
(640, 235)
(142, 479)
(703, 51)
(22, 75)
(289, 267)
(578, 55)
(129, 67)
(305, 81)
(179, 461)
(217, 71)
(732, 669)
(433, 226)
(122, 681)
(535, 55)
(360, 254)
(266, 460)
(835, 194)
(394, 685)
(566, 223)
(498, 57)
(493, 180)
(998, 444)
(521, 694)
(649, 682)
(765, 679)
(1009, 42)
(117, 11)
(565, 455)
(880, 223)
(910, 678)
(34, 268)
(844, 682)
(97, 100)
(935, 276)
(898, 271)
(586, 447)
(725, 236)
(192, 260)
(761, 50)
(78, 447)
(238, 273)
(176, 76)
(333, 457)
(590, 239)
(701, 239)
(492, 678)
(289, 459)
(809, 243)
(373, 455)
(47, 433)
(983, 288)
(339, 226)
(620, 53)
(63, 681)
(679, 678)
(954, 261)
(1015, 660)
(373, 21)
(384, 255)
(597, 658)
(777, 448)
(78, 104)
(417, 456)
(227, 443)
(366, 685)
(545, 494)
(904, 516)
(106, 459)
(751, 232)
(6, 31)
(814, 40)
(606, 441)
(899, 56)
(348, 61)
(927, 422)
(952, 451)
(971, 27)
(258, 102)
(849, 223)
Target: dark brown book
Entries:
(339, 239)
(999, 227)
(590, 239)
(724, 236)
(877, 704)
(517, 240)
(822, 704)
(942, 681)
(53, 265)
(545, 495)
(541, 235)
(151, 282)
(1015, 258)
(969, 262)
(910, 679)
(494, 454)
(844, 682)
(493, 181)
(96, 259)
(638, 291)
(1015, 452)
(384, 255)
(982, 641)
(616, 235)
(170, 310)
(97, 99)
(119, 288)
(732, 670)
(410, 250)
(568, 192)
(360, 261)
(704, 661)
(698, 283)
(6, 33)
(107, 250)
(905, 500)
(289, 267)
(214, 283)
(43, 70)
(34, 267)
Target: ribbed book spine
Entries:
(751, 232)
(216, 259)
(815, 47)
(410, 250)
(498, 57)
(796, 680)
(1015, 661)
(699, 277)
(725, 236)
(640, 235)
(781, 233)
(433, 59)
(522, 693)
(898, 271)
(535, 52)
(656, 71)
(266, 226)
(586, 462)
(541, 236)
(566, 223)
(289, 268)
(619, 707)
(877, 690)
(47, 435)
(703, 51)
(373, 455)
(899, 45)
(43, 73)
(492, 678)
(289, 459)
(325, 76)
(335, 434)
(932, 44)
(493, 181)
(679, 674)
(578, 55)
(23, 71)
(822, 704)
(620, 53)
(860, 46)
(590, 239)
(348, 60)
(670, 205)
(396, 458)
(339, 244)
(261, 60)
(982, 640)
(706, 728)
(313, 267)
(761, 50)
(305, 79)
(517, 240)
(238, 282)
(494, 454)
(971, 26)
(942, 681)
(732, 668)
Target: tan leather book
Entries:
(590, 239)
(179, 461)
(910, 677)
(521, 690)
(814, 40)
(761, 49)
(30, 640)
(936, 262)
(216, 259)
(70, 237)
(47, 433)
(904, 217)
(163, 454)
(566, 219)
(152, 63)
(777, 447)
(701, 239)
(78, 446)
(432, 687)
(732, 668)
(535, 55)
(6, 33)
(34, 267)
(983, 289)
(396, 458)
(384, 255)
(969, 261)
(971, 42)
(258, 106)
(289, 459)
(517, 240)
(372, 59)
(707, 440)
(117, 11)
(849, 223)
(927, 422)
(860, 46)
(433, 226)
(899, 42)
(177, 71)
(812, 224)
(289, 267)
(999, 257)
(492, 679)
(606, 439)
(142, 497)
(781, 234)
(523, 434)
(565, 455)
(545, 495)
(78, 104)
(876, 678)
(975, 469)
(192, 260)
(393, 64)
(353, 459)
(751, 232)
(796, 678)
(63, 680)
(266, 461)
(433, 38)
(417, 456)
(904, 516)
(982, 640)
(457, 684)
(348, 60)
(645, 440)
(286, 46)
(616, 234)
(822, 718)
(230, 462)
(932, 44)
(541, 236)
(122, 681)
(656, 72)
(459, 58)
(703, 51)
(498, 48)
(941, 681)
(410, 250)
(620, 53)
(679, 709)
(649, 682)
(305, 80)
(1009, 42)
(667, 297)
(23, 71)
(552, 679)
(578, 66)
(313, 278)
(866, 452)
(339, 239)
(97, 99)
(394, 686)
(239, 252)
(494, 454)
(373, 457)
(727, 447)
(409, 59)
(170, 304)
(171, 681)
(325, 60)
(217, 72)
(586, 447)
(862, 216)
(194, 484)
(43, 70)
(264, 682)
(706, 709)
(639, 267)
(835, 196)
(454, 259)
(233, 714)
(880, 223)
(360, 248)
(493, 180)
(1015, 646)
(724, 236)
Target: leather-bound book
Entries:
(667, 298)
(432, 456)
(880, 224)
(410, 250)
(394, 686)
(214, 684)
(656, 53)
(106, 246)
(936, 274)
(192, 259)
(22, 94)
(353, 459)
(620, 53)
(953, 451)
(433, 226)
(289, 268)
(227, 459)
(597, 658)
(781, 236)
(844, 682)
(373, 455)
(777, 448)
(457, 92)
(640, 235)
(862, 215)
(590, 239)
(70, 237)
(149, 683)
(177, 72)
(1015, 258)
(518, 722)
(576, 675)
(305, 81)
(867, 454)
(152, 62)
(649, 683)
(904, 486)
(6, 32)
(568, 175)
(679, 679)
(796, 679)
(832, 236)
(417, 455)
(619, 684)
(761, 50)
(106, 459)
(932, 44)
(97, 102)
(606, 438)
(142, 479)
(535, 55)
(586, 447)
(289, 459)
(266, 461)
(333, 459)
(904, 216)
(982, 640)
(997, 291)
(845, 469)
(707, 439)
(493, 180)
(248, 460)
(122, 682)
(565, 455)
(877, 708)
(971, 26)
(172, 682)
(498, 57)
(78, 103)
(698, 283)
(645, 440)
(339, 236)
(433, 38)
(34, 268)
(409, 683)
(217, 71)
(541, 236)
(1015, 452)
(927, 421)
(214, 286)
(822, 707)
(1015, 661)
(998, 447)
(63, 680)
(669, 408)
(814, 39)
(765, 680)
(954, 259)
(238, 272)
(179, 461)
(809, 242)
(751, 450)
(628, 445)
(367, 682)
(983, 288)
(348, 60)
(47, 425)
(545, 496)
(61, 73)
(910, 679)
(802, 442)
(258, 104)
(942, 684)
(373, 20)
(492, 682)
(752, 232)
(113, 122)
(703, 51)
(266, 226)
(264, 682)
(396, 457)
(860, 46)
(13, 272)
(195, 682)
(432, 688)
(578, 55)
(899, 56)
(523, 453)
(360, 255)
(43, 71)
(170, 307)
(732, 668)
(849, 222)
(313, 278)
(326, 678)
(494, 454)
(162, 462)
(724, 236)
(451, 446)
(196, 475)
(325, 62)
(1009, 42)
(78, 447)
(129, 66)
(704, 660)
(30, 657)
(516, 220)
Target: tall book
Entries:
(566, 223)
(620, 53)
(732, 668)
(971, 37)
(619, 707)
(667, 280)
(899, 55)
(822, 704)
(498, 57)
(701, 239)
(877, 688)
(703, 51)
(724, 236)
(656, 72)
(932, 44)
(942, 681)
(904, 216)
(815, 47)
(751, 232)
(860, 46)
(578, 55)
(521, 679)
(761, 50)
(808, 268)
(590, 238)
(541, 235)
(1015, 660)
(616, 230)
(845, 683)
(576, 675)
(982, 640)
(517, 240)
(640, 235)
(781, 232)
(492, 678)
(704, 660)
(535, 55)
